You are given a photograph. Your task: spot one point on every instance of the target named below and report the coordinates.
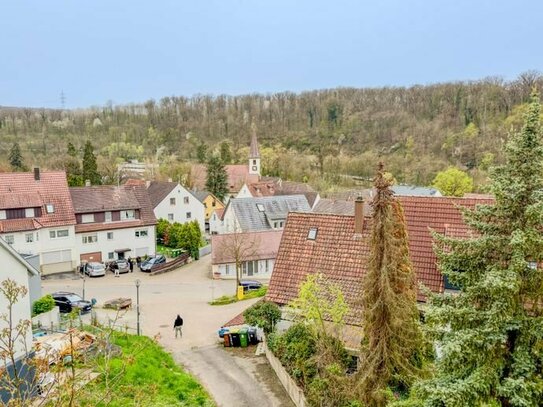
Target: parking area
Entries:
(186, 291)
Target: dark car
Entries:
(69, 301)
(120, 264)
(152, 262)
(250, 285)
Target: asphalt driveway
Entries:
(231, 379)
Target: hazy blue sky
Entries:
(130, 51)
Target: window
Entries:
(53, 234)
(227, 269)
(111, 255)
(50, 208)
(172, 201)
(29, 212)
(186, 200)
(267, 266)
(3, 214)
(275, 225)
(212, 203)
(108, 216)
(260, 207)
(142, 233)
(90, 238)
(128, 214)
(281, 224)
(87, 218)
(189, 215)
(170, 217)
(10, 239)
(29, 237)
(109, 235)
(312, 235)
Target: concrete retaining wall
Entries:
(204, 251)
(295, 393)
(47, 319)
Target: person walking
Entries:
(178, 323)
(116, 270)
(131, 265)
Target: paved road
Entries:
(230, 379)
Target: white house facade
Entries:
(173, 202)
(216, 223)
(113, 222)
(37, 217)
(257, 252)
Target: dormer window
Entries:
(260, 207)
(50, 208)
(312, 234)
(128, 214)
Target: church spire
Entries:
(253, 151)
(254, 155)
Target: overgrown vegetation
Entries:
(43, 304)
(149, 377)
(187, 236)
(318, 136)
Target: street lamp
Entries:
(138, 304)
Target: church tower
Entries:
(254, 155)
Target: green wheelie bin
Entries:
(244, 337)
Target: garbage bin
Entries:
(234, 338)
(253, 340)
(243, 337)
(227, 340)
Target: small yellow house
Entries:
(210, 201)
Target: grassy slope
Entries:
(151, 378)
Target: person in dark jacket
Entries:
(131, 264)
(178, 323)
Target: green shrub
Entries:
(44, 304)
(264, 315)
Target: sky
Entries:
(130, 51)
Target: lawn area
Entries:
(229, 299)
(145, 375)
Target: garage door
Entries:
(94, 256)
(142, 251)
(58, 261)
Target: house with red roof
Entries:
(256, 251)
(37, 218)
(337, 245)
(113, 222)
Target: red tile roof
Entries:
(238, 175)
(252, 245)
(20, 189)
(342, 257)
(102, 198)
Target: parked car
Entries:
(152, 262)
(250, 285)
(67, 301)
(120, 264)
(95, 269)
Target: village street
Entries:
(232, 378)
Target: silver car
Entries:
(95, 269)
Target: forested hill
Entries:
(314, 135)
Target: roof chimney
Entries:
(358, 215)
(37, 173)
(87, 183)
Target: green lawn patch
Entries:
(229, 299)
(145, 375)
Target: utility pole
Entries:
(62, 99)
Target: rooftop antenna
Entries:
(62, 99)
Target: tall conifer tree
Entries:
(90, 168)
(490, 334)
(16, 158)
(392, 335)
(217, 179)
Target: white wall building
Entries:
(113, 222)
(257, 252)
(175, 203)
(216, 223)
(37, 217)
